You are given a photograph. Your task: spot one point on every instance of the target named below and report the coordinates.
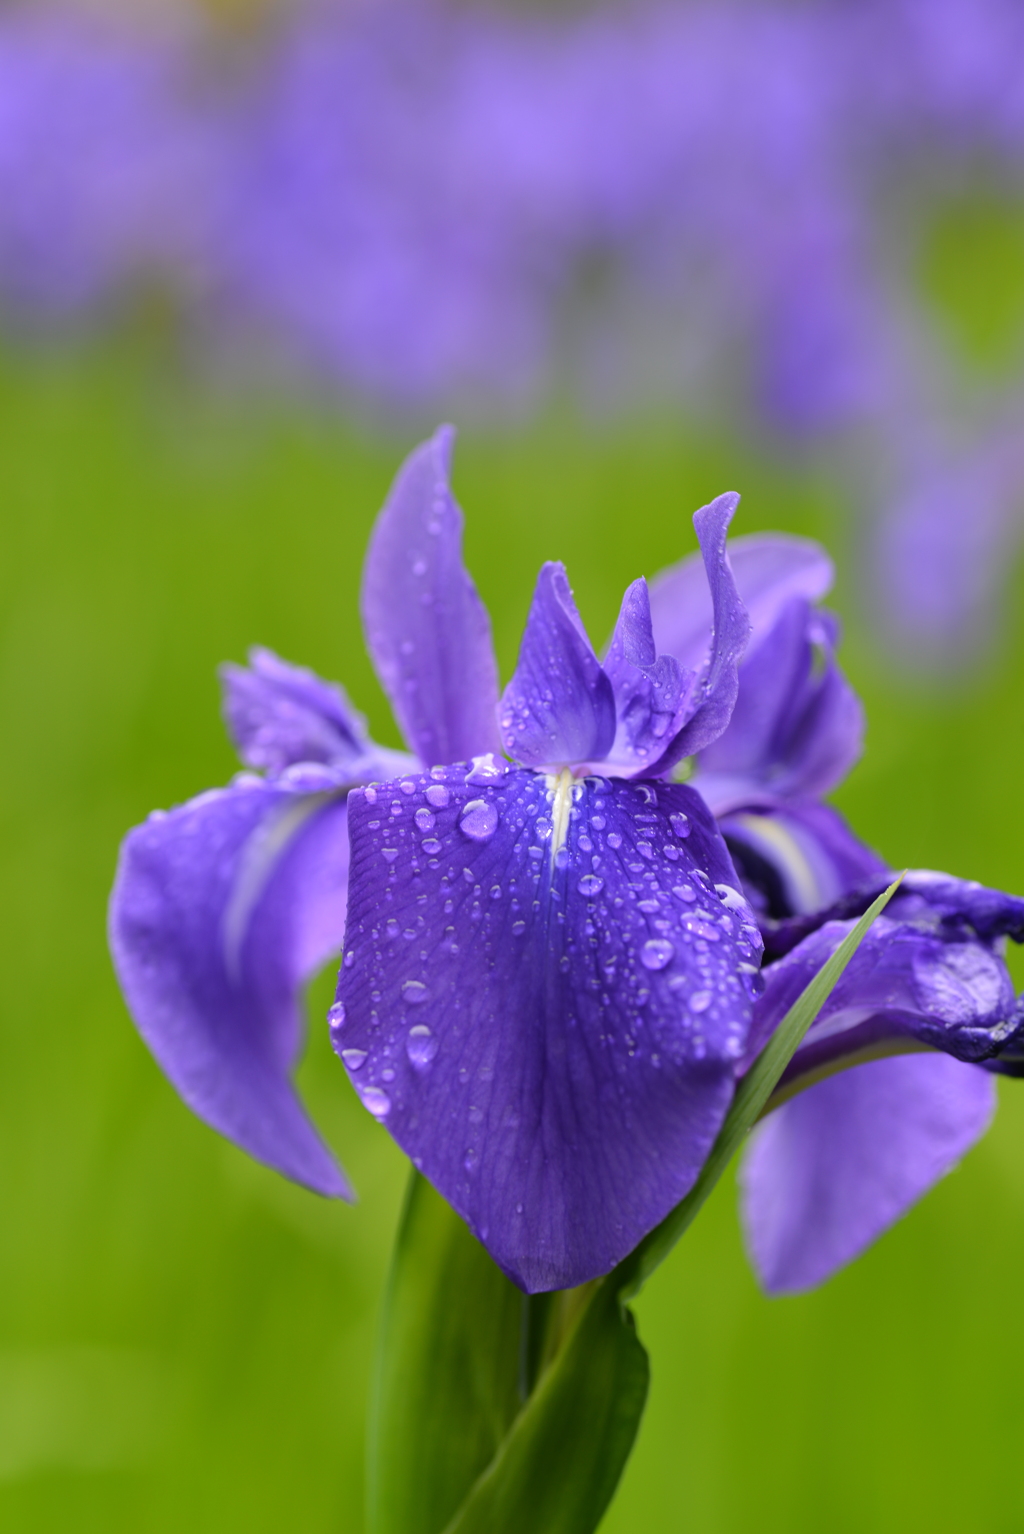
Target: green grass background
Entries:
(185, 1339)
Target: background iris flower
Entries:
(550, 982)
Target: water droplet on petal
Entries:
(389, 854)
(407, 787)
(656, 953)
(424, 820)
(350, 959)
(684, 891)
(336, 1016)
(414, 992)
(377, 1101)
(420, 1046)
(590, 884)
(370, 795)
(680, 824)
(614, 840)
(353, 1058)
(431, 846)
(518, 928)
(479, 820)
(437, 795)
(700, 1001)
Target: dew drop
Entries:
(353, 1058)
(437, 795)
(518, 928)
(370, 795)
(424, 820)
(469, 1161)
(598, 822)
(495, 891)
(479, 820)
(614, 840)
(684, 892)
(414, 991)
(336, 1016)
(431, 845)
(377, 1101)
(407, 786)
(391, 927)
(420, 1046)
(648, 906)
(680, 824)
(590, 884)
(700, 1001)
(350, 959)
(656, 953)
(389, 854)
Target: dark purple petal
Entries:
(278, 714)
(716, 694)
(827, 1173)
(798, 858)
(558, 708)
(769, 569)
(961, 907)
(545, 990)
(651, 691)
(220, 911)
(797, 727)
(426, 627)
(910, 984)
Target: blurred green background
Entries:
(185, 1339)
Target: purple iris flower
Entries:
(550, 981)
(832, 1168)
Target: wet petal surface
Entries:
(544, 996)
(221, 909)
(827, 1173)
(426, 627)
(559, 706)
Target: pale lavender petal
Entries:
(716, 693)
(278, 714)
(651, 691)
(826, 1174)
(797, 858)
(549, 1031)
(910, 984)
(559, 707)
(220, 911)
(426, 627)
(797, 727)
(769, 570)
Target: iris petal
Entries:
(769, 569)
(278, 714)
(710, 709)
(546, 997)
(827, 1173)
(221, 910)
(797, 727)
(651, 691)
(559, 706)
(426, 627)
(910, 983)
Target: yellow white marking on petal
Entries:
(561, 790)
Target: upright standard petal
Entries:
(559, 707)
(220, 911)
(278, 714)
(797, 727)
(710, 707)
(651, 690)
(827, 1173)
(545, 991)
(426, 627)
(769, 569)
